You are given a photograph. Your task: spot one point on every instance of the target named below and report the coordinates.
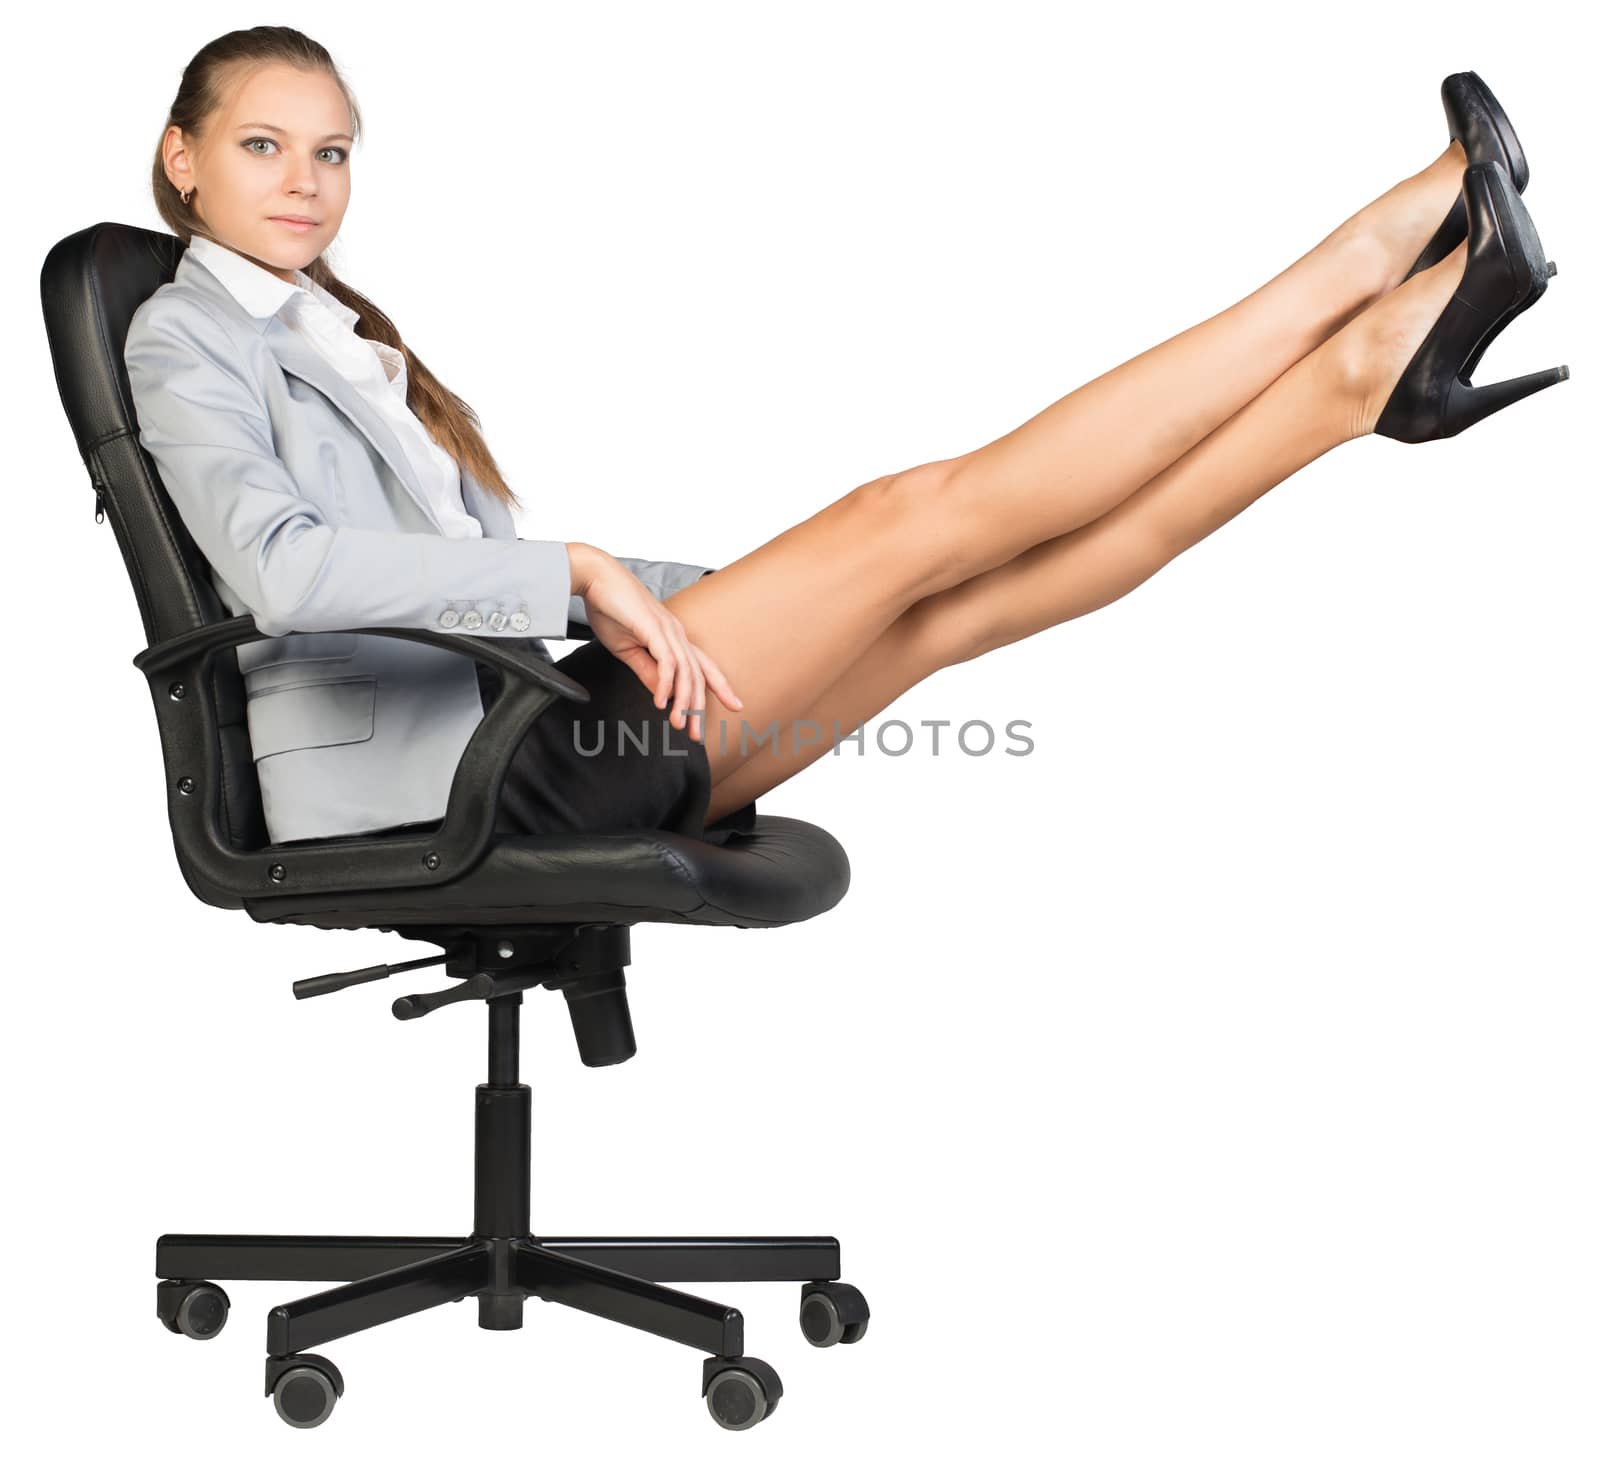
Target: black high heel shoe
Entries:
(1479, 123)
(1505, 273)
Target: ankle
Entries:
(1346, 366)
(1453, 161)
(1364, 359)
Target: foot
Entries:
(1367, 356)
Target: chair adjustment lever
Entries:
(479, 985)
(416, 1005)
(333, 982)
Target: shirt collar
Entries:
(258, 291)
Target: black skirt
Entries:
(612, 764)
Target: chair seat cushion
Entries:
(784, 871)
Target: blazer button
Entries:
(520, 621)
(472, 621)
(497, 620)
(449, 618)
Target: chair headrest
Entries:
(92, 283)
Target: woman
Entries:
(334, 483)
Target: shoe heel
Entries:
(1469, 404)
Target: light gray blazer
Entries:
(309, 512)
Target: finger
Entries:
(719, 683)
(699, 696)
(670, 631)
(694, 707)
(685, 688)
(642, 663)
(696, 725)
(666, 668)
(687, 692)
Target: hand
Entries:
(639, 630)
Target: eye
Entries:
(248, 144)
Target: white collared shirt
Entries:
(377, 371)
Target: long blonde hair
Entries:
(206, 82)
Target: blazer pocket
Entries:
(311, 715)
(297, 647)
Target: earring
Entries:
(185, 195)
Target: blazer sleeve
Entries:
(662, 577)
(205, 425)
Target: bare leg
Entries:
(1329, 397)
(786, 620)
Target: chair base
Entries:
(501, 1263)
(616, 1278)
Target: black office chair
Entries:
(509, 913)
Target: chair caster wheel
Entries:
(739, 1390)
(193, 1307)
(833, 1313)
(304, 1388)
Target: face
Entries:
(280, 146)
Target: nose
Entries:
(301, 180)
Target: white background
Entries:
(1216, 1084)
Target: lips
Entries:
(293, 219)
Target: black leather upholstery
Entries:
(92, 283)
(787, 871)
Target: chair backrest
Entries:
(91, 284)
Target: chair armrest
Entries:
(224, 876)
(501, 652)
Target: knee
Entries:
(923, 484)
(915, 514)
